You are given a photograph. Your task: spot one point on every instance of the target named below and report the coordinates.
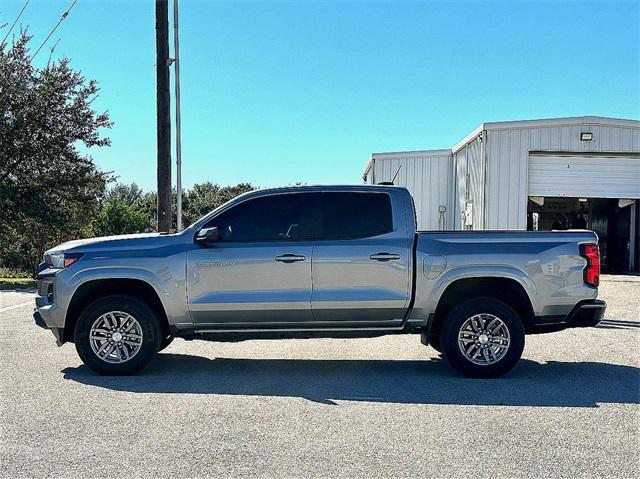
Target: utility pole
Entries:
(163, 115)
(176, 60)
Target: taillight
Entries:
(591, 273)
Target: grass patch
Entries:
(13, 273)
(17, 283)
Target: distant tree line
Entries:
(50, 188)
(119, 209)
(128, 209)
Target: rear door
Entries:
(258, 273)
(361, 261)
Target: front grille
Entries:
(45, 288)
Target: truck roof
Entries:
(298, 188)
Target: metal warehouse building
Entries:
(563, 173)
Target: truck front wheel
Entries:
(434, 342)
(482, 338)
(117, 335)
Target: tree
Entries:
(117, 217)
(131, 194)
(197, 201)
(49, 189)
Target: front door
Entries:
(258, 273)
(361, 261)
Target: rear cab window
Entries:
(352, 215)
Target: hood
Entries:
(108, 242)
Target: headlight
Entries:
(62, 260)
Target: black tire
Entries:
(151, 334)
(165, 342)
(456, 319)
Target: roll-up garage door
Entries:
(585, 176)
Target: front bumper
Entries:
(47, 315)
(39, 320)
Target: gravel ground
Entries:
(351, 408)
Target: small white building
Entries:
(535, 174)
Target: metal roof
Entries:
(567, 121)
(503, 125)
(441, 152)
(392, 154)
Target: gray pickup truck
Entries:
(329, 261)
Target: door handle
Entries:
(290, 258)
(383, 256)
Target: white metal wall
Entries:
(469, 166)
(507, 162)
(429, 178)
(493, 174)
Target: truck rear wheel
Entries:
(117, 335)
(483, 338)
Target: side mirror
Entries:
(207, 235)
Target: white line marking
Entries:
(16, 306)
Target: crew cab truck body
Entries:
(329, 261)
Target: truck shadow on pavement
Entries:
(617, 324)
(558, 384)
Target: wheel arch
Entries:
(502, 288)
(91, 290)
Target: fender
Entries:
(479, 272)
(170, 290)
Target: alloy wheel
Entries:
(116, 337)
(484, 339)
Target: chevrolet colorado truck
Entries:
(318, 261)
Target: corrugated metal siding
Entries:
(470, 184)
(429, 178)
(587, 176)
(508, 153)
(460, 187)
(476, 166)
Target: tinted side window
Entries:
(282, 217)
(355, 215)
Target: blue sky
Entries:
(276, 93)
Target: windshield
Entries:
(198, 224)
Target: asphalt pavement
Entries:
(325, 407)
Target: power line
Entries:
(14, 22)
(64, 15)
